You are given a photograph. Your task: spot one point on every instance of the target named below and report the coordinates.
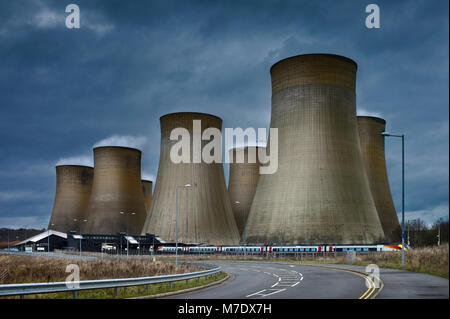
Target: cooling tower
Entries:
(204, 208)
(320, 192)
(242, 182)
(116, 188)
(147, 188)
(73, 190)
(372, 150)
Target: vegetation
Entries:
(38, 269)
(421, 235)
(432, 260)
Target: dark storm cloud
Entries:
(62, 91)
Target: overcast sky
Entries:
(62, 91)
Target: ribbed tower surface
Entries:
(204, 210)
(320, 192)
(116, 188)
(372, 149)
(243, 178)
(73, 190)
(147, 189)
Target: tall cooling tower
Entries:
(204, 209)
(242, 182)
(372, 149)
(116, 188)
(320, 192)
(73, 190)
(147, 189)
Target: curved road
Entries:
(254, 280)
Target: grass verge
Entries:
(39, 269)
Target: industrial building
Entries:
(191, 197)
(242, 181)
(113, 243)
(372, 149)
(46, 241)
(320, 192)
(117, 202)
(51, 240)
(73, 191)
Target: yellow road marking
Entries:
(371, 288)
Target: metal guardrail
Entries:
(52, 287)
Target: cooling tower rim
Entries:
(375, 118)
(118, 147)
(81, 166)
(190, 113)
(316, 54)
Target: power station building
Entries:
(331, 185)
(204, 209)
(116, 198)
(73, 191)
(372, 149)
(320, 192)
(243, 178)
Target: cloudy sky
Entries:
(63, 91)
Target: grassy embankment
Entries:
(429, 260)
(38, 269)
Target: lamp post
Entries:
(127, 214)
(403, 191)
(439, 232)
(243, 229)
(176, 222)
(408, 226)
(48, 238)
(81, 221)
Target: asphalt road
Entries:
(254, 280)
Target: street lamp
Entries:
(176, 222)
(403, 191)
(439, 231)
(81, 221)
(408, 225)
(48, 238)
(244, 224)
(127, 214)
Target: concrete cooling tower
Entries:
(204, 208)
(116, 188)
(372, 149)
(320, 192)
(242, 182)
(147, 189)
(73, 190)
